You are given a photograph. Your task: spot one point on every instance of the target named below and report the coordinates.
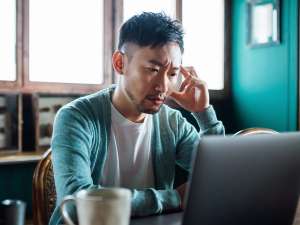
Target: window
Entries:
(132, 7)
(8, 40)
(66, 49)
(203, 22)
(63, 46)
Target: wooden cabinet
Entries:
(39, 113)
(10, 123)
(26, 121)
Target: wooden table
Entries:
(164, 219)
(174, 219)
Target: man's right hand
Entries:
(181, 191)
(193, 95)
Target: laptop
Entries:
(244, 180)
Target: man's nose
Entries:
(162, 83)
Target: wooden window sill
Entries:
(20, 157)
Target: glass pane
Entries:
(65, 41)
(8, 40)
(203, 22)
(132, 7)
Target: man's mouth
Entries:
(157, 99)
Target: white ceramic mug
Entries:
(105, 206)
(12, 212)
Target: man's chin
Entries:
(152, 110)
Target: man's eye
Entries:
(172, 76)
(153, 70)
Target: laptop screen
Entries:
(244, 180)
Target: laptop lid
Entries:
(244, 180)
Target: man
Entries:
(125, 135)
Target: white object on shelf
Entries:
(2, 101)
(2, 140)
(2, 120)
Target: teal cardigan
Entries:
(80, 141)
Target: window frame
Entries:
(22, 83)
(31, 86)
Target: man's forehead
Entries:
(168, 55)
(164, 55)
(169, 48)
(174, 65)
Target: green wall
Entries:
(264, 80)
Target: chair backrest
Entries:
(256, 130)
(43, 191)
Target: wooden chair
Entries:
(43, 191)
(256, 130)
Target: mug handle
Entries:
(64, 211)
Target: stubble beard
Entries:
(139, 106)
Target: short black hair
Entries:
(151, 29)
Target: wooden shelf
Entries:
(21, 157)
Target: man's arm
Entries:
(208, 122)
(189, 139)
(193, 96)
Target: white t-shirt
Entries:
(129, 162)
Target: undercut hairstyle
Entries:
(151, 29)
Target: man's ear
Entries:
(118, 62)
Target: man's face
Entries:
(148, 75)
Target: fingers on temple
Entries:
(184, 71)
(185, 83)
(190, 71)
